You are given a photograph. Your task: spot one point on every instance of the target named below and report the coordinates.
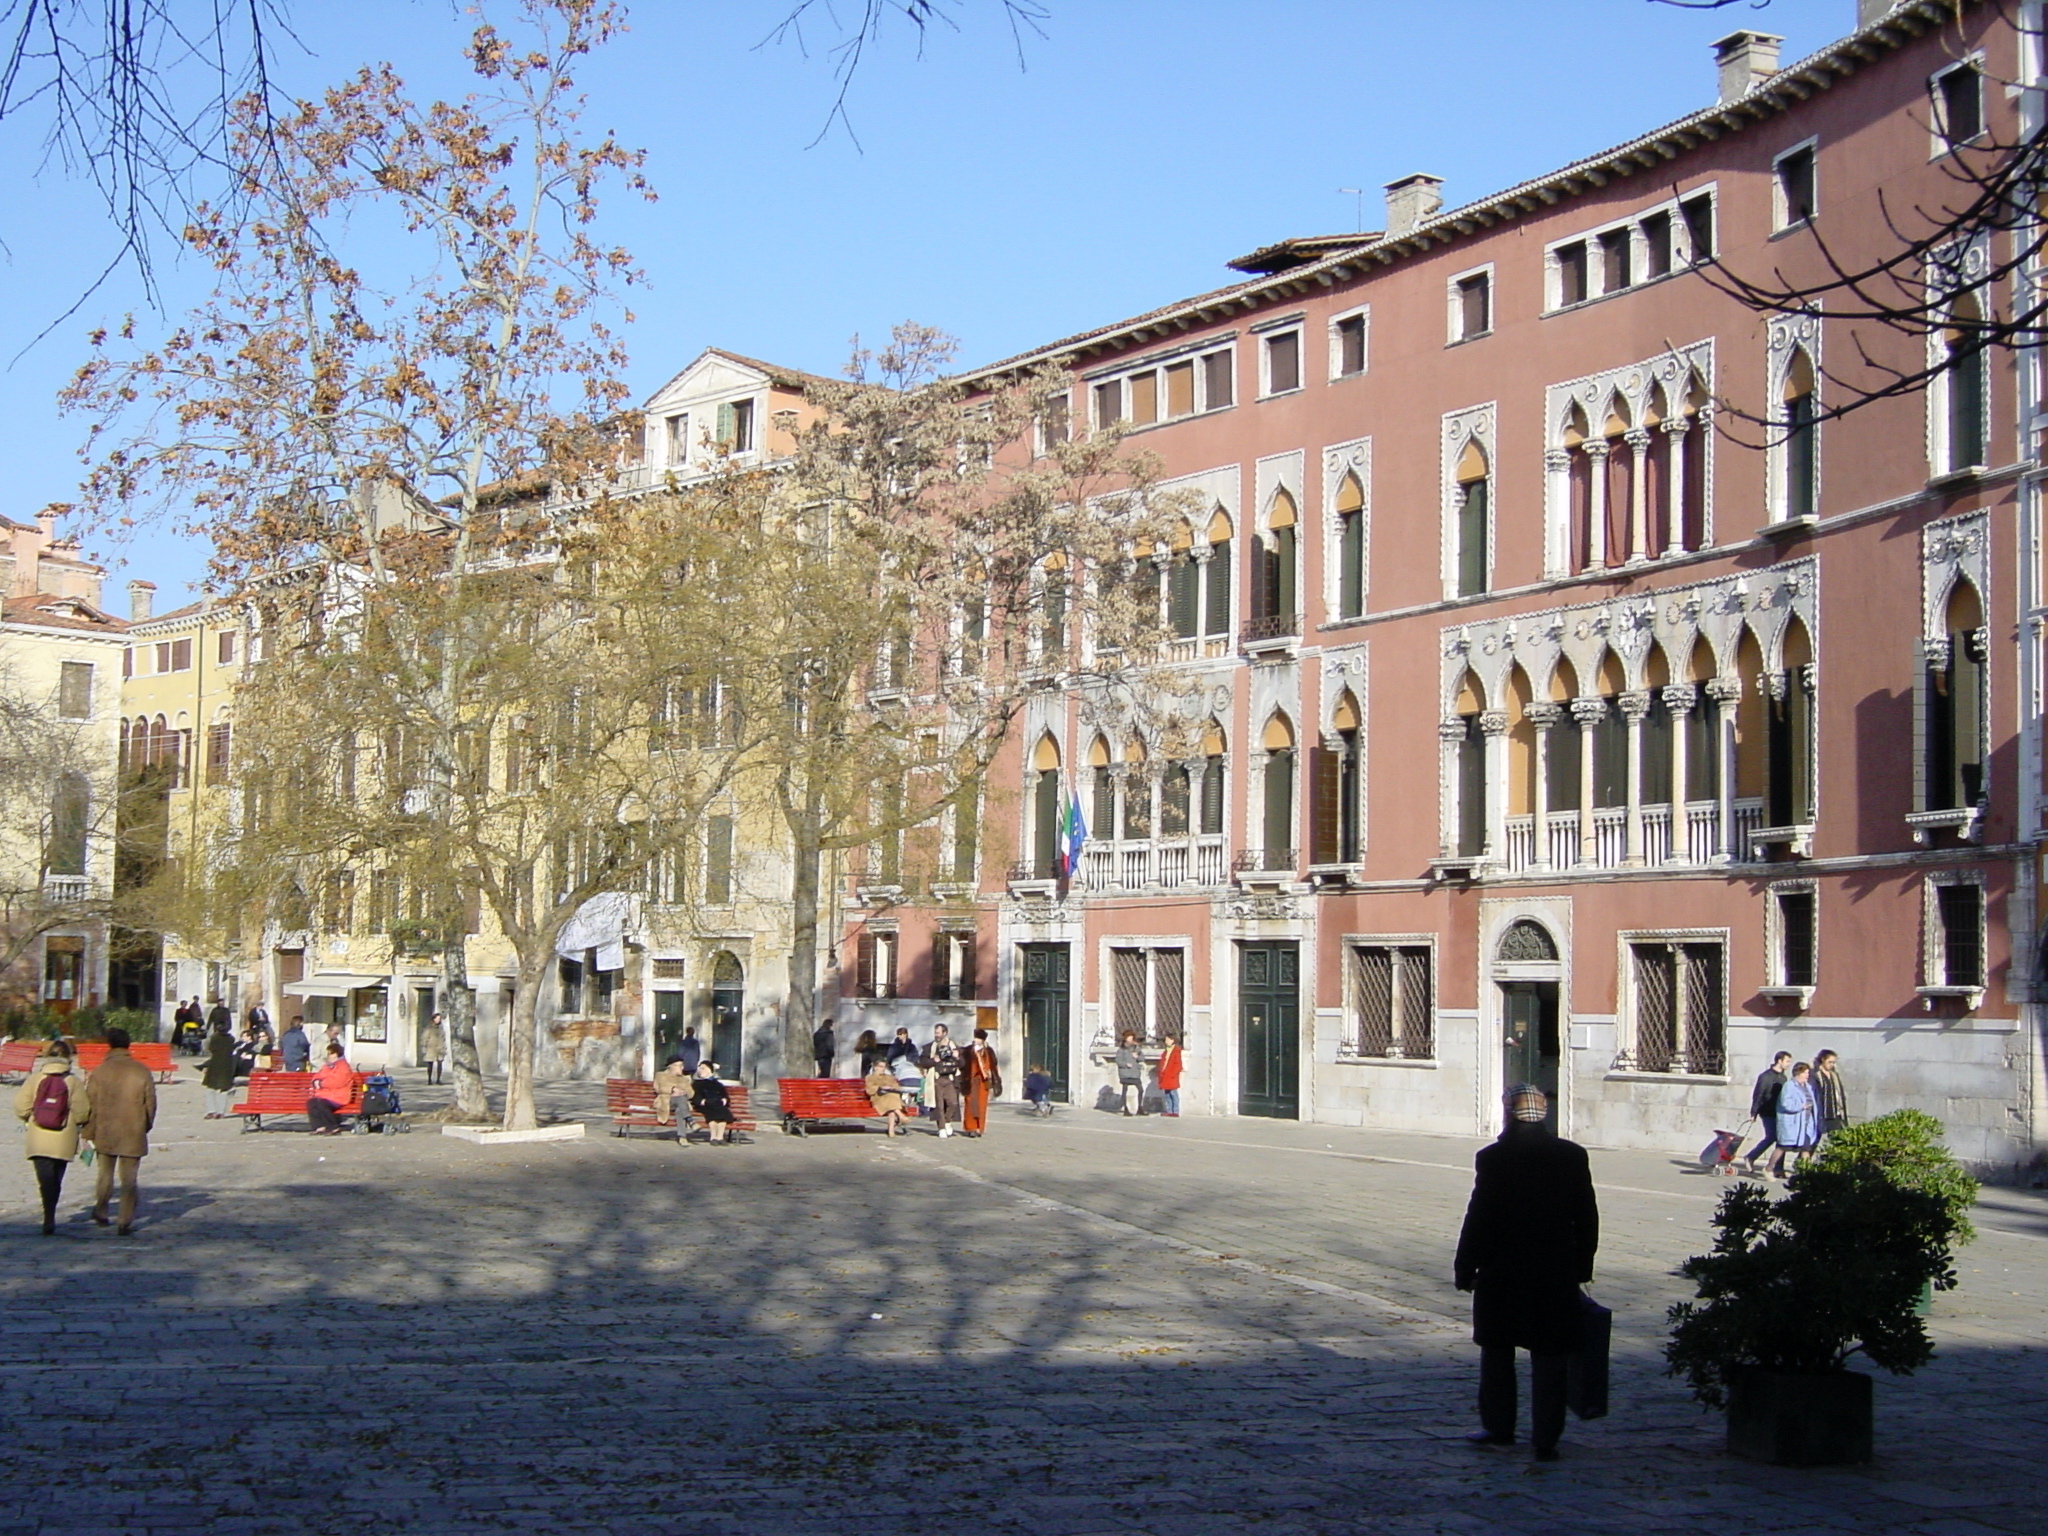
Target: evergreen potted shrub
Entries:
(1793, 1290)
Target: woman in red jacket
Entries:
(1169, 1078)
(333, 1086)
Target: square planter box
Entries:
(1800, 1421)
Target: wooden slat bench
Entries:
(18, 1057)
(630, 1103)
(806, 1101)
(155, 1055)
(285, 1093)
(88, 1053)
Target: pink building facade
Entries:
(1576, 700)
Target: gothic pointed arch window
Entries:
(1955, 695)
(1276, 822)
(1273, 588)
(1349, 508)
(1215, 762)
(1045, 809)
(1102, 786)
(1217, 580)
(1961, 389)
(1799, 438)
(1471, 507)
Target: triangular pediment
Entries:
(712, 376)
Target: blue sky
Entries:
(1143, 144)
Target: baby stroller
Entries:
(1719, 1154)
(381, 1109)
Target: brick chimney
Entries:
(1411, 200)
(140, 595)
(1747, 59)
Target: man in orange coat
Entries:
(983, 1079)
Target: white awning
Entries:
(332, 984)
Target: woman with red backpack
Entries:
(53, 1103)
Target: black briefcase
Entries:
(1585, 1382)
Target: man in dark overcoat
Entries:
(1530, 1235)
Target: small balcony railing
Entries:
(1269, 626)
(1266, 861)
(66, 888)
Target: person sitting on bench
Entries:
(333, 1086)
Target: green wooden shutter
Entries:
(1283, 575)
(1212, 798)
(726, 426)
(1325, 792)
(1351, 565)
(1472, 539)
(718, 861)
(1218, 595)
(864, 966)
(1183, 596)
(1279, 817)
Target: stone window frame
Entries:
(1467, 425)
(1785, 336)
(1775, 983)
(1934, 982)
(1626, 1013)
(1341, 459)
(1362, 312)
(1348, 1051)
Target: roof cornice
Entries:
(1771, 97)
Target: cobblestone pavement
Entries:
(1073, 1326)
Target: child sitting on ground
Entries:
(1038, 1090)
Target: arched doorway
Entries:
(1527, 971)
(728, 1007)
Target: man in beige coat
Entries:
(123, 1110)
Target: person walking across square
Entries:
(984, 1079)
(123, 1094)
(1530, 1235)
(1763, 1105)
(217, 1077)
(1831, 1095)
(1170, 1061)
(1798, 1119)
(824, 1047)
(56, 1107)
(942, 1060)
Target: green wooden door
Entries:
(1046, 995)
(1529, 1037)
(1269, 1030)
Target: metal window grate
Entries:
(1704, 1048)
(1169, 1001)
(1128, 973)
(1418, 1012)
(1656, 1006)
(1373, 973)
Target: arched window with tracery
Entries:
(1961, 389)
(1276, 821)
(1954, 707)
(1349, 508)
(1044, 863)
(1471, 506)
(1799, 439)
(1216, 584)
(1274, 609)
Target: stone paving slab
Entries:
(1075, 1326)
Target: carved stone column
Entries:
(1595, 450)
(1557, 476)
(1679, 699)
(1589, 713)
(1634, 705)
(1675, 433)
(1638, 441)
(1450, 733)
(1494, 725)
(1542, 716)
(1726, 692)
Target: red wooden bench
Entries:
(18, 1057)
(285, 1093)
(155, 1055)
(88, 1053)
(808, 1100)
(630, 1103)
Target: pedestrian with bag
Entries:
(56, 1107)
(1831, 1094)
(1530, 1235)
(1130, 1073)
(1798, 1119)
(942, 1061)
(983, 1080)
(1763, 1107)
(123, 1093)
(217, 1077)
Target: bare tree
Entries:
(1951, 277)
(138, 98)
(404, 295)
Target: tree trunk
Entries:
(458, 1001)
(800, 1013)
(519, 1111)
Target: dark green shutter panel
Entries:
(1218, 594)
(1279, 818)
(1046, 826)
(1283, 575)
(1472, 790)
(1351, 554)
(1325, 792)
(1182, 596)
(1472, 539)
(1212, 798)
(1102, 816)
(725, 426)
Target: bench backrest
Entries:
(287, 1092)
(19, 1055)
(153, 1054)
(89, 1053)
